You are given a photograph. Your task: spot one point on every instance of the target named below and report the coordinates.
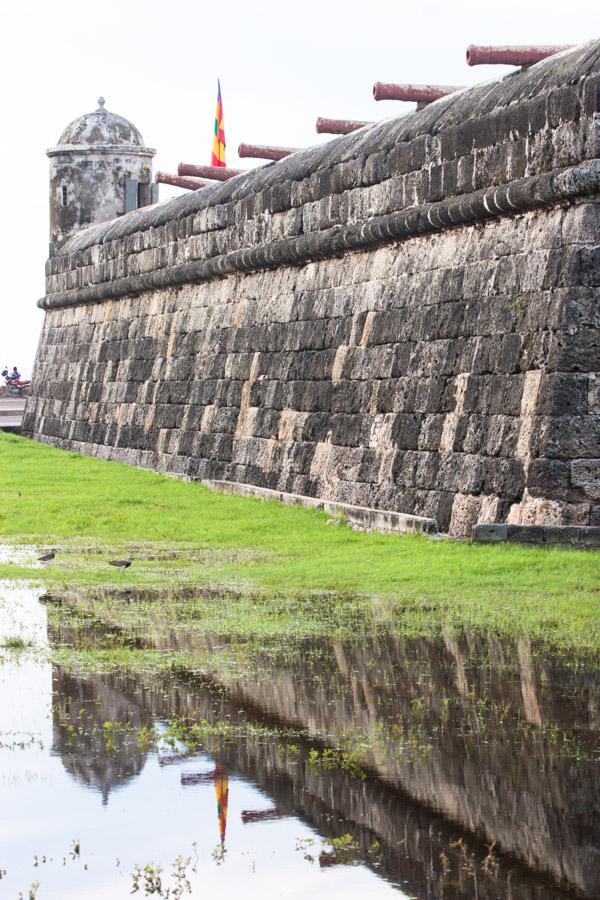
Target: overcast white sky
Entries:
(281, 65)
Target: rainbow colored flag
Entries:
(218, 148)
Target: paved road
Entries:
(11, 412)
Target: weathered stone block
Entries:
(526, 534)
(585, 474)
(590, 537)
(571, 436)
(564, 535)
(489, 534)
(549, 478)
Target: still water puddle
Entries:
(476, 779)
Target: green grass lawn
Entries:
(181, 533)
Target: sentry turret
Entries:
(100, 169)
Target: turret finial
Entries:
(101, 102)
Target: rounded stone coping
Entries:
(101, 150)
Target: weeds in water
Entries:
(32, 895)
(150, 880)
(466, 858)
(491, 863)
(15, 642)
(219, 853)
(182, 883)
(26, 743)
(331, 758)
(343, 851)
(305, 846)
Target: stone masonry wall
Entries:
(403, 318)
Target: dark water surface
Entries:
(479, 772)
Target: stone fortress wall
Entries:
(403, 318)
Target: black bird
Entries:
(47, 557)
(120, 563)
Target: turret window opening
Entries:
(64, 195)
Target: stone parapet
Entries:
(531, 193)
(532, 123)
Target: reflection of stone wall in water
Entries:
(513, 736)
(417, 850)
(402, 318)
(488, 770)
(86, 704)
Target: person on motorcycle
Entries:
(13, 383)
(10, 377)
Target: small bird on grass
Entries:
(47, 557)
(120, 563)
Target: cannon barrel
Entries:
(213, 173)
(511, 56)
(258, 151)
(191, 184)
(419, 93)
(339, 126)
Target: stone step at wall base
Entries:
(582, 536)
(360, 518)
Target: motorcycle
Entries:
(15, 387)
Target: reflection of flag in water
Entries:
(220, 779)
(218, 147)
(222, 792)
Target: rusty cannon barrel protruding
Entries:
(339, 126)
(213, 173)
(414, 93)
(259, 151)
(511, 56)
(190, 184)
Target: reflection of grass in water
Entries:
(15, 642)
(181, 533)
(240, 623)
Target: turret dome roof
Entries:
(100, 127)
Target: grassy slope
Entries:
(50, 497)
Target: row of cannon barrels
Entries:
(193, 177)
